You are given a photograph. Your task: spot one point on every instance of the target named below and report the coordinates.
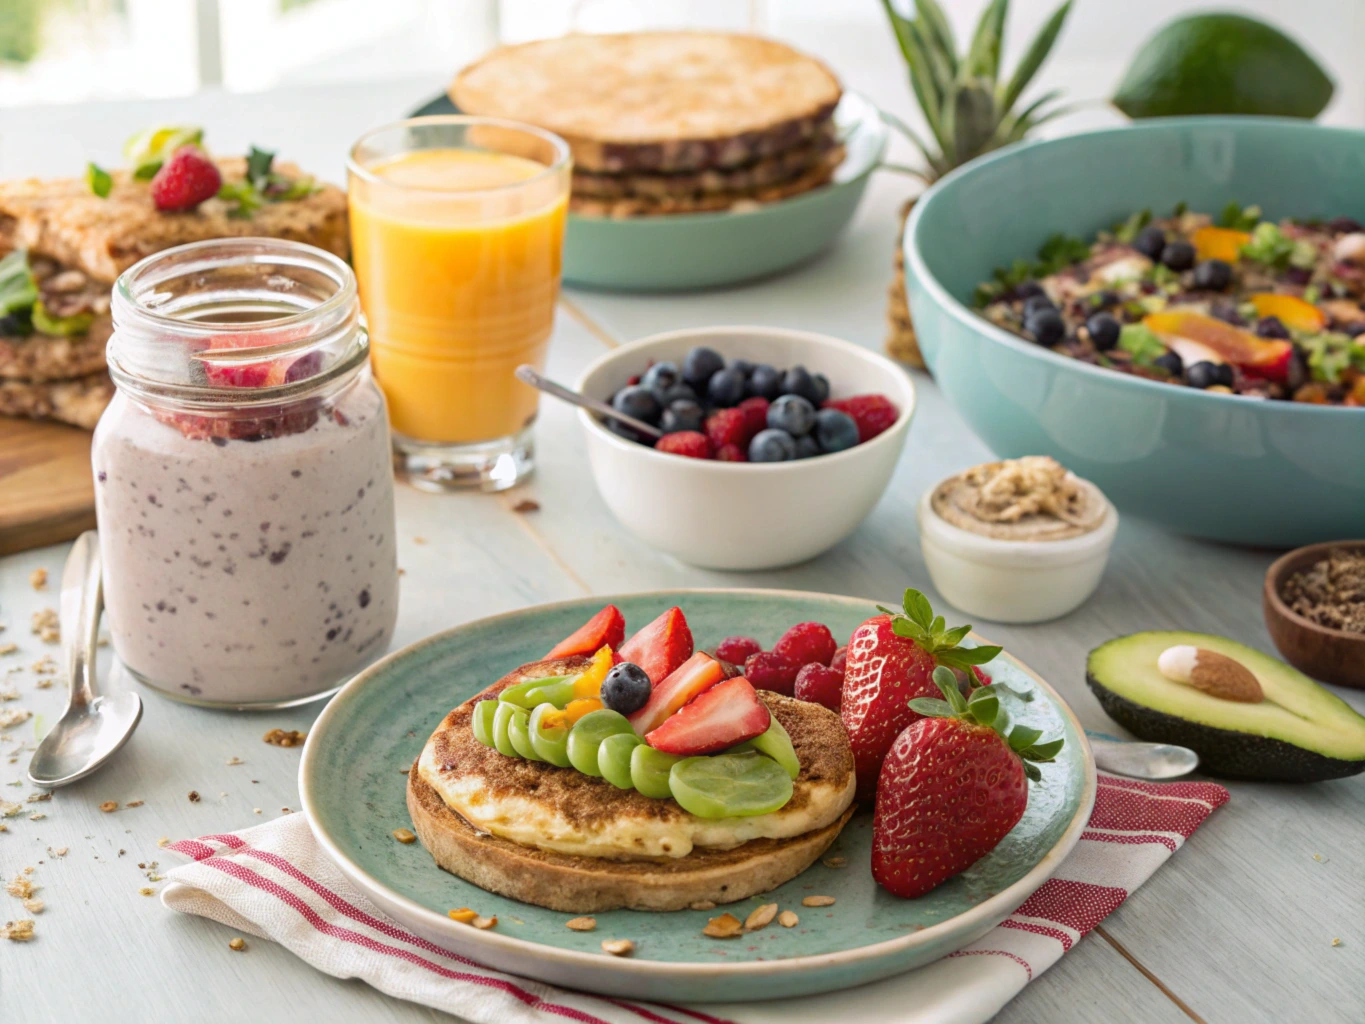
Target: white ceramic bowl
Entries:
(1011, 580)
(739, 515)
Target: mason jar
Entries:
(243, 482)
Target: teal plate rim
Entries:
(968, 923)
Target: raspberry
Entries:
(766, 670)
(727, 426)
(820, 685)
(731, 453)
(755, 415)
(806, 642)
(185, 180)
(735, 649)
(685, 442)
(840, 660)
(872, 413)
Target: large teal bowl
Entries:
(1223, 467)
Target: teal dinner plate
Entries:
(682, 252)
(353, 793)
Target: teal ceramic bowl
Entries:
(1233, 469)
(353, 794)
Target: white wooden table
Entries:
(1238, 927)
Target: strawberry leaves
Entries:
(929, 631)
(983, 708)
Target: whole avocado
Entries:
(1222, 64)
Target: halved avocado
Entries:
(1299, 733)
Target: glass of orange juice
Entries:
(457, 228)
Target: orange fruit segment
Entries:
(589, 682)
(576, 709)
(1224, 244)
(1290, 310)
(1260, 357)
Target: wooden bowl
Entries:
(1332, 655)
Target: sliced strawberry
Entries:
(271, 373)
(726, 714)
(661, 646)
(605, 629)
(694, 676)
(1258, 357)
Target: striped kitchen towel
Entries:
(274, 881)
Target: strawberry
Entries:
(661, 646)
(891, 659)
(688, 443)
(731, 453)
(728, 426)
(819, 684)
(768, 671)
(185, 180)
(951, 787)
(735, 649)
(755, 411)
(694, 676)
(806, 642)
(872, 413)
(726, 714)
(605, 629)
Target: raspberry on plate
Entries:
(736, 649)
(872, 413)
(685, 442)
(840, 660)
(727, 426)
(755, 411)
(731, 453)
(185, 180)
(769, 671)
(806, 642)
(819, 684)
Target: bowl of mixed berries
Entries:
(776, 443)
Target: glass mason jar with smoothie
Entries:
(243, 477)
(457, 228)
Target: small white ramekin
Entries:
(1012, 580)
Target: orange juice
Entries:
(457, 253)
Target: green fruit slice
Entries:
(518, 733)
(520, 694)
(1222, 64)
(613, 758)
(482, 723)
(587, 735)
(649, 770)
(502, 719)
(551, 742)
(777, 744)
(730, 785)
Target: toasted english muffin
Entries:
(40, 358)
(561, 839)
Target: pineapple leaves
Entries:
(1034, 56)
(983, 57)
(974, 120)
(940, 31)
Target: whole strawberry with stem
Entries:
(891, 660)
(953, 785)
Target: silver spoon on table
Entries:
(94, 726)
(528, 375)
(1139, 760)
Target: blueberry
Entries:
(1212, 275)
(744, 366)
(792, 414)
(660, 377)
(1171, 363)
(1046, 327)
(1355, 330)
(1178, 255)
(700, 365)
(807, 447)
(765, 382)
(726, 388)
(1028, 289)
(821, 383)
(772, 446)
(1104, 331)
(835, 430)
(1297, 375)
(679, 392)
(684, 414)
(1271, 327)
(638, 401)
(626, 688)
(798, 381)
(1150, 241)
(1205, 374)
(1036, 304)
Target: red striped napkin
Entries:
(274, 881)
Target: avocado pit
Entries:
(1213, 673)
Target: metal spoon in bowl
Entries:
(527, 375)
(1143, 760)
(93, 727)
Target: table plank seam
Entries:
(588, 323)
(1164, 989)
(522, 520)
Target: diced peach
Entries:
(589, 682)
(1257, 357)
(1290, 310)
(576, 709)
(1219, 243)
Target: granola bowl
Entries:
(1221, 466)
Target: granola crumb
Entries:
(818, 901)
(835, 862)
(9, 809)
(10, 694)
(284, 738)
(233, 762)
(47, 626)
(255, 810)
(419, 540)
(484, 923)
(34, 905)
(404, 771)
(20, 887)
(13, 716)
(38, 798)
(761, 917)
(109, 806)
(526, 505)
(1336, 942)
(581, 924)
(37, 579)
(134, 803)
(702, 905)
(194, 796)
(727, 926)
(164, 841)
(618, 947)
(404, 835)
(17, 931)
(37, 816)
(146, 890)
(788, 919)
(8, 649)
(60, 851)
(237, 945)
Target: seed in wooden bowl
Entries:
(727, 926)
(581, 924)
(404, 835)
(818, 901)
(618, 947)
(788, 919)
(761, 917)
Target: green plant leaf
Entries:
(983, 55)
(940, 68)
(1034, 57)
(1031, 770)
(974, 120)
(918, 609)
(956, 635)
(921, 77)
(932, 707)
(18, 290)
(966, 657)
(1044, 751)
(930, 157)
(939, 28)
(100, 181)
(258, 164)
(984, 706)
(947, 685)
(1023, 737)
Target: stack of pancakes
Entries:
(668, 122)
(77, 244)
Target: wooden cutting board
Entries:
(47, 494)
